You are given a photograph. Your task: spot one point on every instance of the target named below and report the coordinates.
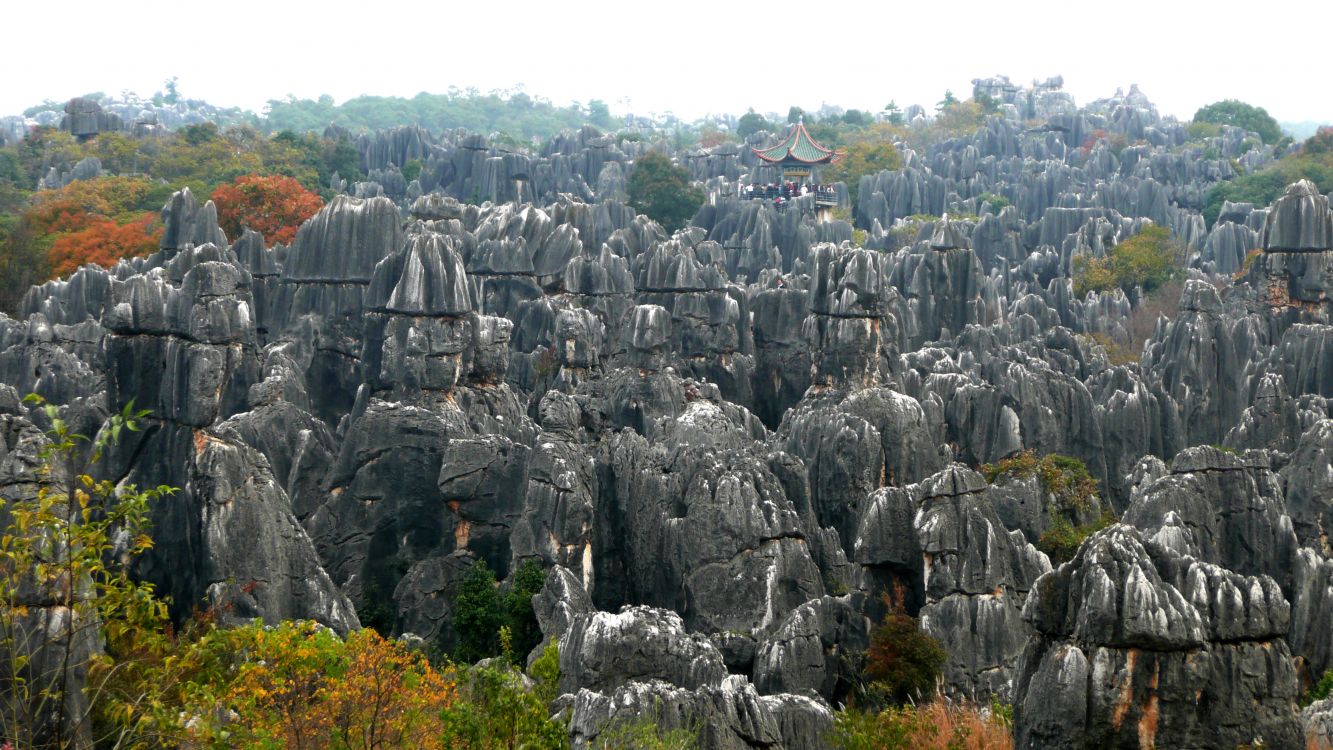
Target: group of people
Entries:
(782, 192)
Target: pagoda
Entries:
(797, 154)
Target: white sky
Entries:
(685, 56)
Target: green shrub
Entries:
(1320, 690)
(1265, 186)
(937, 725)
(1200, 130)
(996, 202)
(476, 615)
(495, 709)
(645, 733)
(1240, 114)
(517, 608)
(662, 191)
(1067, 478)
(1019, 466)
(1064, 477)
(1062, 538)
(1146, 260)
(412, 169)
(482, 613)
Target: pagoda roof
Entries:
(798, 147)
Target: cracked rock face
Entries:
(1138, 645)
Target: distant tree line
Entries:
(516, 114)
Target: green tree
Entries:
(868, 154)
(1263, 187)
(894, 113)
(516, 604)
(750, 123)
(173, 94)
(1146, 260)
(599, 114)
(64, 572)
(857, 118)
(948, 101)
(795, 114)
(477, 616)
(1320, 690)
(11, 169)
(989, 105)
(662, 191)
(1240, 114)
(1319, 143)
(496, 709)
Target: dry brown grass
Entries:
(938, 725)
(978, 731)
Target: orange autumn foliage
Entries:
(94, 221)
(101, 241)
(274, 206)
(302, 687)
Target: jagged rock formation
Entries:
(1138, 645)
(735, 447)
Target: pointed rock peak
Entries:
(948, 236)
(1299, 222)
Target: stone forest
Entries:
(1004, 425)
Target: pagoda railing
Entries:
(825, 195)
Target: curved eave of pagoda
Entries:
(784, 152)
(789, 159)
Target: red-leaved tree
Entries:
(103, 241)
(274, 206)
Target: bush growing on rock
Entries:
(1063, 538)
(644, 734)
(517, 606)
(1147, 260)
(1064, 477)
(903, 663)
(1066, 481)
(481, 612)
(477, 615)
(1320, 690)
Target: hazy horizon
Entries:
(699, 59)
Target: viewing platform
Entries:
(826, 196)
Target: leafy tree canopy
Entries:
(1146, 260)
(662, 191)
(750, 123)
(1314, 162)
(1240, 114)
(868, 153)
(274, 206)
